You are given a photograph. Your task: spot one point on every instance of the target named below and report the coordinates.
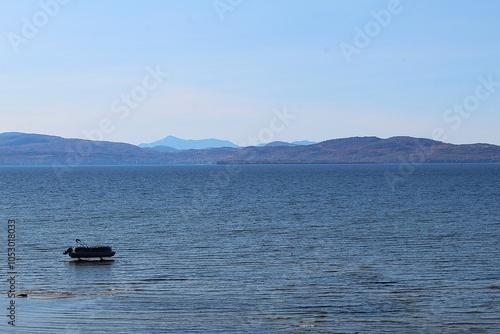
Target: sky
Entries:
(251, 70)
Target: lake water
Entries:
(255, 249)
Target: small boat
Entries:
(84, 252)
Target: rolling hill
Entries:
(33, 149)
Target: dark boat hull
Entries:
(86, 255)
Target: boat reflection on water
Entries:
(81, 262)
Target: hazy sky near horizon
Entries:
(289, 70)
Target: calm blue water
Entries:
(256, 249)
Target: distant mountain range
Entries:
(189, 144)
(171, 143)
(34, 149)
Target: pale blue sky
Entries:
(227, 77)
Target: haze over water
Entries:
(266, 248)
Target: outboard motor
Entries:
(68, 251)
